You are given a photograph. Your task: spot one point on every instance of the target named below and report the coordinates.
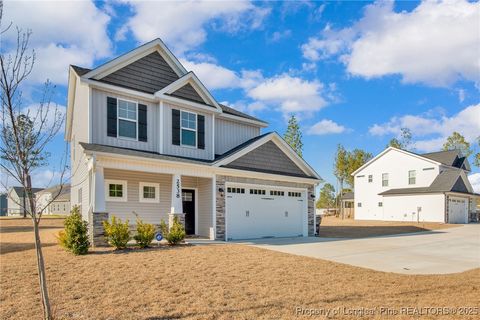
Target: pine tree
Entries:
(293, 135)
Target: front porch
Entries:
(154, 197)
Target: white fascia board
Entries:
(281, 144)
(115, 161)
(134, 55)
(393, 149)
(232, 117)
(120, 90)
(72, 84)
(186, 103)
(192, 79)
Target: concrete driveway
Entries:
(435, 252)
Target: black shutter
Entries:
(201, 131)
(111, 117)
(142, 122)
(176, 127)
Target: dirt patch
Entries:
(209, 282)
(333, 227)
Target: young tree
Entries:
(25, 136)
(293, 135)
(340, 167)
(476, 160)
(457, 142)
(327, 197)
(404, 142)
(356, 159)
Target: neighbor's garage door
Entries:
(256, 212)
(457, 210)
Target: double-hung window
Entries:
(127, 119)
(188, 122)
(412, 177)
(384, 179)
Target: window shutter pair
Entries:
(112, 119)
(176, 129)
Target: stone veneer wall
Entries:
(220, 209)
(95, 229)
(473, 216)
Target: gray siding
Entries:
(169, 148)
(229, 134)
(148, 74)
(189, 93)
(99, 122)
(267, 158)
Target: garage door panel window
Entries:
(277, 193)
(257, 191)
(235, 190)
(294, 194)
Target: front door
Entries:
(188, 201)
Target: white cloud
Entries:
(475, 181)
(64, 32)
(182, 25)
(434, 126)
(326, 126)
(280, 35)
(289, 94)
(213, 76)
(437, 43)
(48, 114)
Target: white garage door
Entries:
(257, 212)
(457, 210)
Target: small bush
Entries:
(74, 237)
(117, 233)
(145, 234)
(176, 234)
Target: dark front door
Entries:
(188, 200)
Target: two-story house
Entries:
(147, 136)
(398, 185)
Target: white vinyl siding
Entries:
(229, 134)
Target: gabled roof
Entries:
(449, 180)
(20, 191)
(55, 189)
(231, 111)
(452, 158)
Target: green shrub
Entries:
(74, 237)
(145, 234)
(176, 234)
(163, 228)
(117, 233)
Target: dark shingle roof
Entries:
(80, 71)
(447, 181)
(20, 190)
(445, 157)
(64, 192)
(237, 113)
(348, 196)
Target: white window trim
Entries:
(124, 186)
(125, 119)
(387, 180)
(189, 129)
(149, 184)
(414, 177)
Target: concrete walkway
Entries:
(435, 252)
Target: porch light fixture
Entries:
(222, 191)
(312, 196)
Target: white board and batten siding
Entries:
(186, 151)
(397, 164)
(229, 134)
(99, 123)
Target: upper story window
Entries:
(412, 177)
(384, 179)
(370, 178)
(188, 122)
(127, 119)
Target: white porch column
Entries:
(99, 189)
(176, 209)
(177, 206)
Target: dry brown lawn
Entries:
(333, 227)
(205, 282)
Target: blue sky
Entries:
(354, 73)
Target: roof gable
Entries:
(189, 93)
(148, 74)
(448, 157)
(268, 153)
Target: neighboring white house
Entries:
(17, 202)
(398, 185)
(148, 137)
(61, 204)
